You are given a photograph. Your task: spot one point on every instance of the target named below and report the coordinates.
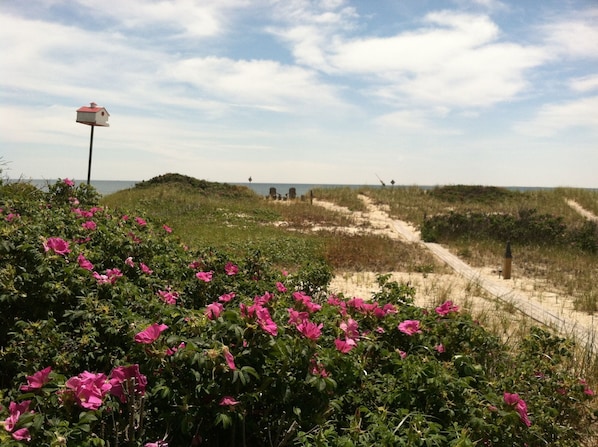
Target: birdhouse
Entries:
(93, 115)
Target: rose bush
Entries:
(116, 333)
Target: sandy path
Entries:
(548, 307)
(581, 210)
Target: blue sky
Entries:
(296, 91)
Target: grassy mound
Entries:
(200, 186)
(471, 193)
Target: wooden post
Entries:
(506, 269)
(90, 150)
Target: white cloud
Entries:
(454, 60)
(489, 5)
(584, 84)
(255, 83)
(187, 17)
(423, 50)
(552, 119)
(416, 121)
(309, 28)
(72, 62)
(409, 120)
(576, 37)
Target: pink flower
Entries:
(410, 327)
(12, 216)
(141, 222)
(15, 410)
(204, 276)
(280, 287)
(231, 269)
(296, 317)
(334, 300)
(174, 349)
(310, 330)
(381, 312)
(167, 228)
(37, 380)
(265, 321)
(122, 377)
(344, 346)
(109, 278)
(588, 391)
(306, 301)
(350, 328)
(156, 444)
(89, 225)
(225, 298)
(113, 274)
(22, 434)
(230, 360)
(88, 389)
(150, 334)
(145, 269)
(513, 399)
(68, 182)
(402, 354)
(195, 265)
(316, 369)
(263, 299)
(446, 308)
(129, 262)
(228, 401)
(439, 348)
(168, 296)
(262, 314)
(84, 263)
(214, 310)
(57, 245)
(74, 201)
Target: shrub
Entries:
(527, 227)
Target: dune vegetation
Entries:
(181, 313)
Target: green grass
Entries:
(232, 217)
(240, 221)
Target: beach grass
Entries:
(242, 221)
(562, 266)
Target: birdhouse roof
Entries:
(93, 108)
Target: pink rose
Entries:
(410, 327)
(57, 245)
(88, 389)
(150, 334)
(204, 276)
(84, 263)
(129, 374)
(228, 401)
(231, 269)
(37, 380)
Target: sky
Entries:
(419, 92)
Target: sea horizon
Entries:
(105, 187)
